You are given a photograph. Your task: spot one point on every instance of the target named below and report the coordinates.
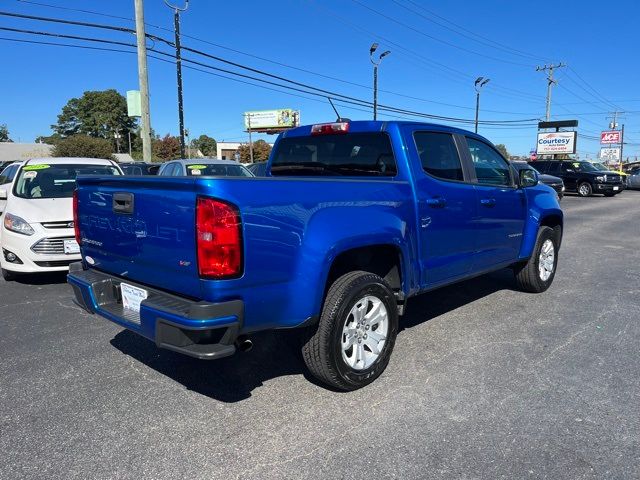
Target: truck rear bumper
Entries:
(198, 329)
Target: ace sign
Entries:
(612, 136)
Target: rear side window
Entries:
(439, 155)
(351, 154)
(491, 168)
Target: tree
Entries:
(503, 150)
(96, 114)
(4, 133)
(261, 151)
(167, 148)
(50, 140)
(83, 146)
(206, 145)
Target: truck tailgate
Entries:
(142, 228)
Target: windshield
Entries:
(55, 181)
(352, 154)
(584, 167)
(601, 167)
(217, 170)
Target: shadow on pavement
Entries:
(41, 278)
(276, 353)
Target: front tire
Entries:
(585, 189)
(353, 341)
(538, 273)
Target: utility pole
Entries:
(621, 145)
(479, 83)
(550, 83)
(176, 26)
(250, 141)
(143, 80)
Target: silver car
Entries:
(205, 167)
(633, 180)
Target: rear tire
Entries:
(585, 189)
(538, 273)
(359, 318)
(8, 275)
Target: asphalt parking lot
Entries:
(484, 382)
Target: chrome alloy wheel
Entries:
(364, 333)
(547, 260)
(584, 190)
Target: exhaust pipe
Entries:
(244, 343)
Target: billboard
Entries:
(556, 142)
(612, 136)
(609, 154)
(272, 119)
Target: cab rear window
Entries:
(352, 154)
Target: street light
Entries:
(479, 83)
(375, 63)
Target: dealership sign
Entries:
(557, 142)
(612, 136)
(609, 153)
(274, 119)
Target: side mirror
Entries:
(3, 180)
(3, 194)
(528, 178)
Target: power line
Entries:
(488, 40)
(443, 69)
(315, 90)
(123, 29)
(482, 40)
(420, 32)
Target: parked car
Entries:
(633, 181)
(603, 168)
(139, 168)
(554, 182)
(8, 173)
(259, 169)
(582, 177)
(5, 164)
(354, 219)
(37, 233)
(204, 167)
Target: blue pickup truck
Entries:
(352, 219)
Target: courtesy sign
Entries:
(556, 142)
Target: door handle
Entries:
(437, 202)
(488, 202)
(123, 202)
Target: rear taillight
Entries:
(76, 223)
(219, 239)
(330, 128)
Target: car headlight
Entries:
(17, 224)
(601, 179)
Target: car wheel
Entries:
(538, 273)
(585, 189)
(8, 275)
(352, 343)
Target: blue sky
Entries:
(438, 49)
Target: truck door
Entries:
(446, 206)
(501, 205)
(567, 171)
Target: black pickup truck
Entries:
(584, 178)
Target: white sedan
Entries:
(37, 232)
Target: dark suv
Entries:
(582, 177)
